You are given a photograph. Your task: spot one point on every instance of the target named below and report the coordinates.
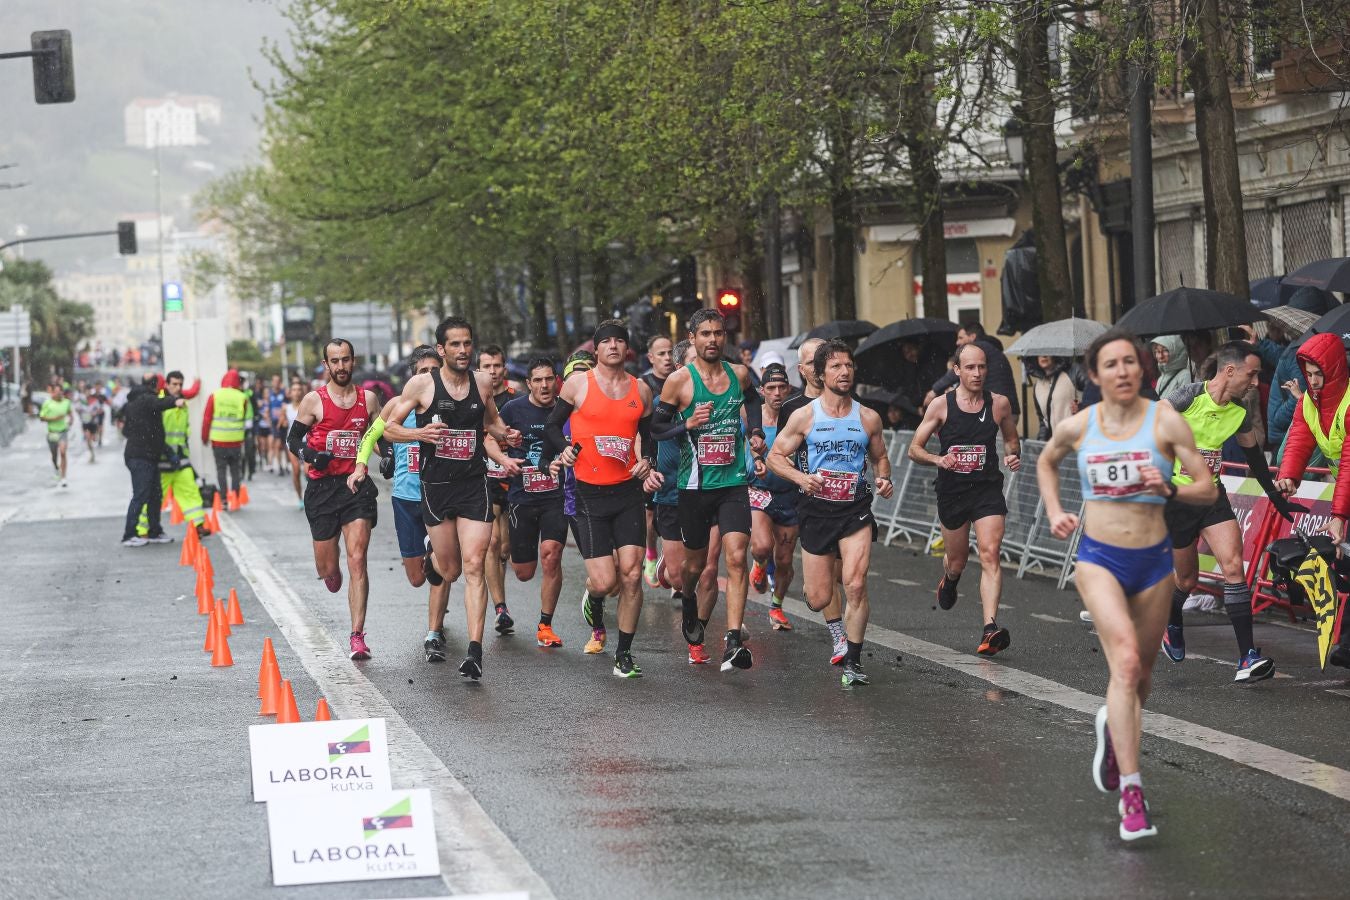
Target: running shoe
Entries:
(624, 666)
(1105, 773)
(135, 541)
(1254, 666)
(428, 568)
(472, 667)
(505, 624)
(946, 593)
(736, 655)
(691, 628)
(64, 484)
(333, 582)
(649, 567)
(995, 638)
(587, 612)
(160, 538)
(1174, 643)
(759, 578)
(544, 636)
(1085, 617)
(779, 619)
(597, 642)
(1134, 820)
(839, 652)
(434, 647)
(359, 650)
(698, 656)
(854, 674)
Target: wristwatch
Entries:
(1171, 490)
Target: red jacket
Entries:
(1327, 353)
(231, 379)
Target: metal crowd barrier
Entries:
(11, 421)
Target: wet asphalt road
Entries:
(768, 783)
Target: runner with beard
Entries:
(841, 437)
(660, 355)
(703, 403)
(402, 462)
(327, 434)
(492, 362)
(609, 412)
(455, 411)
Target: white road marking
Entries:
(1343, 692)
(1272, 760)
(903, 582)
(1046, 617)
(476, 857)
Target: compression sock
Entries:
(651, 553)
(854, 651)
(545, 618)
(836, 627)
(1237, 602)
(625, 643)
(776, 602)
(598, 611)
(476, 650)
(1178, 600)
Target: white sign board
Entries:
(358, 837)
(369, 326)
(16, 327)
(341, 756)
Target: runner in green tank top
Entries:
(1215, 413)
(701, 407)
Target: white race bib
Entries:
(760, 498)
(343, 444)
(537, 482)
(716, 449)
(1116, 473)
(970, 458)
(840, 487)
(457, 444)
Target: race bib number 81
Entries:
(1116, 473)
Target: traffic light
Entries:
(729, 305)
(53, 67)
(126, 238)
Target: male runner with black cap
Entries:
(773, 504)
(327, 434)
(454, 412)
(609, 411)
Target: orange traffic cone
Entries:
(223, 625)
(269, 658)
(168, 502)
(321, 713)
(243, 495)
(175, 513)
(212, 634)
(214, 520)
(203, 594)
(188, 555)
(215, 502)
(271, 691)
(221, 655)
(289, 713)
(232, 501)
(233, 614)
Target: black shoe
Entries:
(624, 667)
(854, 674)
(428, 570)
(946, 593)
(505, 624)
(472, 667)
(1340, 656)
(994, 640)
(737, 655)
(692, 628)
(434, 647)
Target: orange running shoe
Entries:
(545, 636)
(698, 656)
(779, 619)
(759, 577)
(995, 638)
(597, 642)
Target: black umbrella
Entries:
(1335, 322)
(1189, 309)
(850, 330)
(1327, 274)
(878, 357)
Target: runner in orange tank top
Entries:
(610, 414)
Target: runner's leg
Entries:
(356, 538)
(855, 552)
(785, 541)
(1225, 542)
(989, 540)
(550, 586)
(734, 545)
(474, 538)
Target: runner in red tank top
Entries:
(326, 434)
(610, 412)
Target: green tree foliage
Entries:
(59, 325)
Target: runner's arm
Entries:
(1260, 471)
(1062, 441)
(1012, 443)
(306, 415)
(373, 434)
(666, 423)
(876, 444)
(785, 445)
(1177, 434)
(933, 418)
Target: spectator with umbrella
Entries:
(1287, 383)
(1174, 363)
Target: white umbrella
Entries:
(1067, 337)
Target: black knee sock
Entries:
(545, 618)
(854, 652)
(1237, 602)
(1178, 600)
(476, 650)
(625, 642)
(598, 609)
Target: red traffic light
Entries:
(728, 300)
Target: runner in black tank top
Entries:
(458, 455)
(968, 422)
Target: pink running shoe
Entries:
(1134, 820)
(1105, 772)
(333, 582)
(358, 645)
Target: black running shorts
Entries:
(666, 519)
(529, 525)
(609, 517)
(1185, 521)
(958, 509)
(728, 508)
(465, 498)
(820, 535)
(330, 504)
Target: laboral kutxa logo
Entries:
(358, 742)
(397, 816)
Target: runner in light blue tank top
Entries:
(1108, 467)
(407, 469)
(836, 449)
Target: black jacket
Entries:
(999, 379)
(143, 424)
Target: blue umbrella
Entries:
(1270, 292)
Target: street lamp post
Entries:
(1014, 143)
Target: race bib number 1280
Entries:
(970, 458)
